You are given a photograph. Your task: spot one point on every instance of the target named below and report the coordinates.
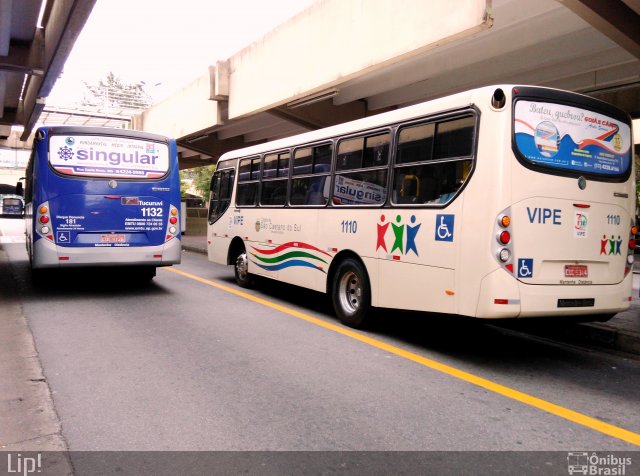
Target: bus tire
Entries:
(241, 269)
(351, 293)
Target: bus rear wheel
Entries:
(351, 293)
(241, 269)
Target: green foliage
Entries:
(198, 178)
(185, 183)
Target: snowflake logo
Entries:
(65, 153)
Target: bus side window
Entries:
(315, 163)
(416, 185)
(309, 191)
(248, 175)
(221, 188)
(454, 138)
(433, 160)
(275, 170)
(416, 143)
(274, 192)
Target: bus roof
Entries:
(439, 105)
(108, 131)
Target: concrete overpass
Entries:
(341, 60)
(345, 59)
(36, 37)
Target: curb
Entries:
(610, 338)
(194, 249)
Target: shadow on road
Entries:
(491, 348)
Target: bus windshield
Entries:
(571, 139)
(108, 156)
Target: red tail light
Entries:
(504, 237)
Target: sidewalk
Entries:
(621, 333)
(197, 244)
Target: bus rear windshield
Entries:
(108, 156)
(570, 139)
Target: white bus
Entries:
(503, 201)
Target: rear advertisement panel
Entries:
(571, 138)
(105, 156)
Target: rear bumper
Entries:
(503, 296)
(48, 255)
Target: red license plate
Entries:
(576, 271)
(112, 238)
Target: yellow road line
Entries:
(562, 412)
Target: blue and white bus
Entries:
(102, 197)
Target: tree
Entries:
(200, 178)
(113, 93)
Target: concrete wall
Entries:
(10, 176)
(196, 226)
(331, 42)
(338, 40)
(185, 112)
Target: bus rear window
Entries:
(571, 140)
(107, 156)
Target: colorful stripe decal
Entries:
(288, 264)
(289, 255)
(291, 244)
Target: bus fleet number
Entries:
(151, 212)
(613, 219)
(349, 226)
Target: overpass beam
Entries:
(613, 19)
(321, 114)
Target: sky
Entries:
(167, 43)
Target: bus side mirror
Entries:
(19, 189)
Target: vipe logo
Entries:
(22, 465)
(593, 464)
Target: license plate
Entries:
(576, 271)
(112, 239)
(587, 302)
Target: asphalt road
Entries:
(186, 362)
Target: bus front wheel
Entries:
(351, 293)
(241, 269)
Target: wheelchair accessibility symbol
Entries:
(525, 268)
(63, 236)
(444, 227)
